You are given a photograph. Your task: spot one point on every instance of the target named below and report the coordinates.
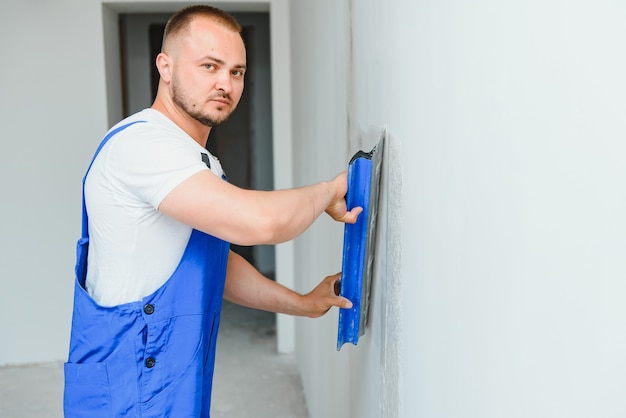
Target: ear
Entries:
(163, 64)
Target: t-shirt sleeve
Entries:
(149, 165)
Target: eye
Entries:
(237, 73)
(209, 66)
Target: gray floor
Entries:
(251, 380)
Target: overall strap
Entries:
(85, 230)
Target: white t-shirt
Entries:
(134, 248)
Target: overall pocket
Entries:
(87, 391)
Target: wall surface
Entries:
(361, 381)
(507, 187)
(514, 288)
(52, 115)
(320, 151)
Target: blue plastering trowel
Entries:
(364, 172)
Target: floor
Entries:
(250, 380)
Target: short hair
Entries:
(181, 20)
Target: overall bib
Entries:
(154, 357)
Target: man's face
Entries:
(208, 72)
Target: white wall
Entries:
(361, 381)
(507, 120)
(320, 151)
(518, 137)
(52, 115)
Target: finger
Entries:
(351, 216)
(340, 301)
(355, 212)
(344, 303)
(337, 287)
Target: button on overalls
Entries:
(154, 357)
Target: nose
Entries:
(224, 83)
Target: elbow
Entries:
(271, 231)
(265, 221)
(263, 231)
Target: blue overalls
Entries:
(154, 357)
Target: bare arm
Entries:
(246, 286)
(248, 217)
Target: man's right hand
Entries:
(338, 209)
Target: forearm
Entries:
(284, 214)
(247, 287)
(248, 217)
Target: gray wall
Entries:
(52, 116)
(361, 381)
(505, 209)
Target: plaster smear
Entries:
(389, 274)
(375, 362)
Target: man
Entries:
(158, 217)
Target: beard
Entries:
(182, 100)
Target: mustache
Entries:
(221, 95)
